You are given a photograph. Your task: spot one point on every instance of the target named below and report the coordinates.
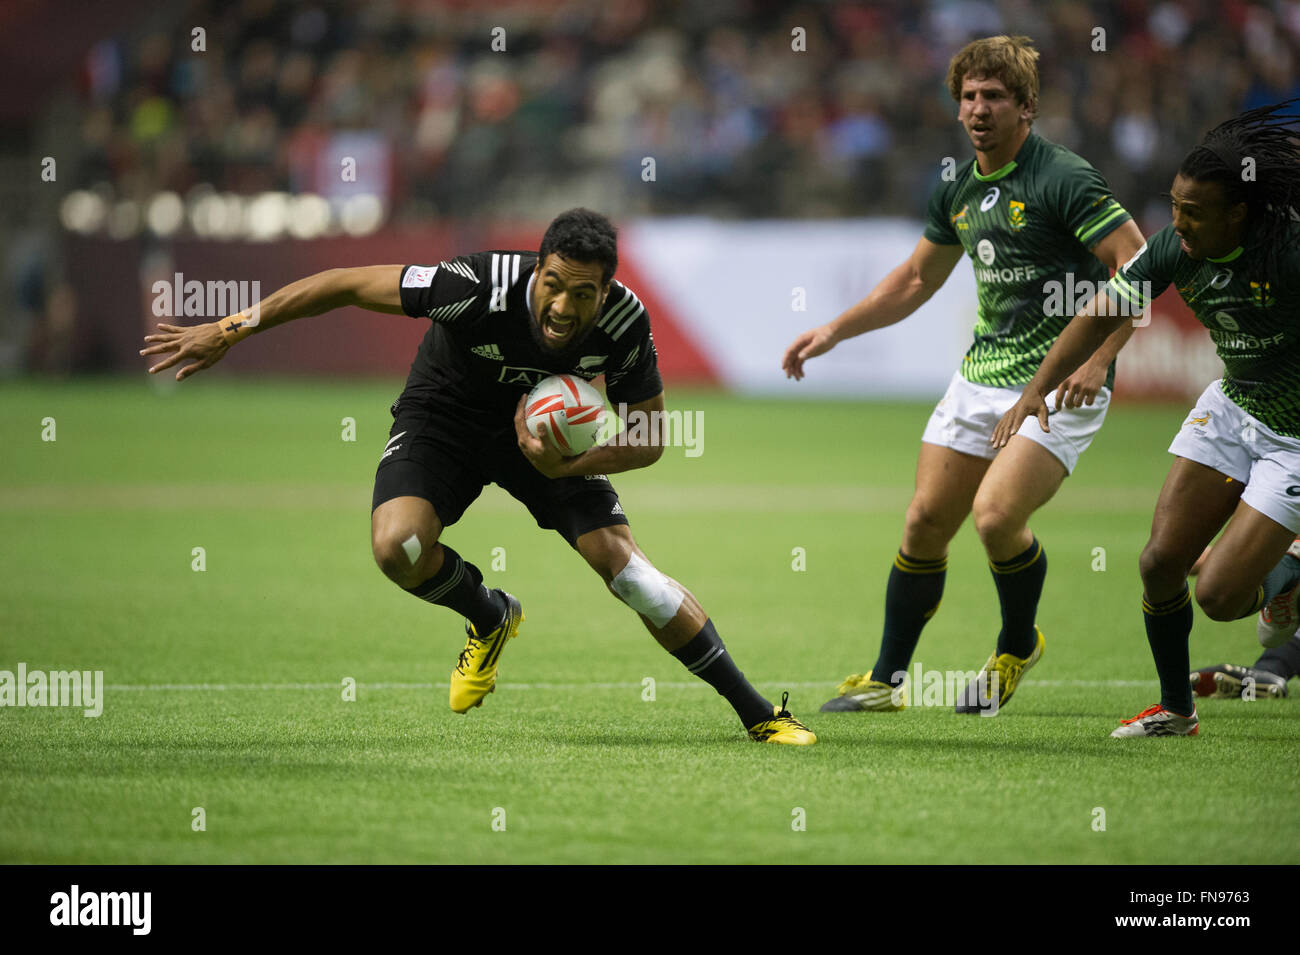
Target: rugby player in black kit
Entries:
(500, 322)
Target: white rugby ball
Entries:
(572, 410)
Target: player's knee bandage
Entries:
(647, 591)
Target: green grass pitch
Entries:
(225, 686)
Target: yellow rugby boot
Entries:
(475, 675)
(859, 692)
(1000, 672)
(782, 728)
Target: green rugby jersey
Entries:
(1255, 327)
(1024, 226)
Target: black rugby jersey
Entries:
(480, 353)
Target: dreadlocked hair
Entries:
(1256, 158)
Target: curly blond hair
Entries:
(1011, 59)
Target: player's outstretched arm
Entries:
(619, 454)
(898, 295)
(1082, 386)
(374, 287)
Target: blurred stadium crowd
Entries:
(738, 123)
(748, 108)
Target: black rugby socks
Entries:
(911, 598)
(458, 585)
(1019, 582)
(706, 657)
(1169, 624)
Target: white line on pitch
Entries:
(693, 684)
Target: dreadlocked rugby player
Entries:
(1231, 252)
(1032, 217)
(500, 322)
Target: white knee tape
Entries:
(647, 591)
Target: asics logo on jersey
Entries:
(1294, 490)
(488, 351)
(990, 200)
(1221, 279)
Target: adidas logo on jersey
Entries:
(617, 508)
(488, 351)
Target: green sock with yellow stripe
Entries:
(1169, 625)
(1019, 582)
(911, 598)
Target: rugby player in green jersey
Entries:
(1232, 254)
(1033, 217)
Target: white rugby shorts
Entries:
(965, 418)
(1220, 435)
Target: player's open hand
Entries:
(1030, 405)
(203, 345)
(1082, 387)
(814, 342)
(540, 453)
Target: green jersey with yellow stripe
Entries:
(1028, 228)
(1255, 327)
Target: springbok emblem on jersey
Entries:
(1016, 211)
